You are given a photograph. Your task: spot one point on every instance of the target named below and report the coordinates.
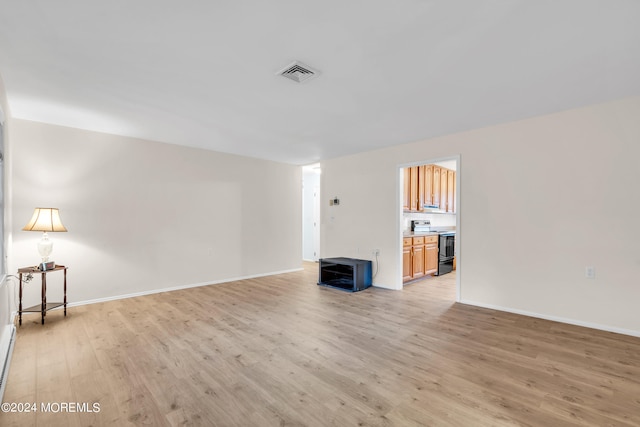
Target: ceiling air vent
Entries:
(298, 72)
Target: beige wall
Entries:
(540, 200)
(146, 216)
(6, 319)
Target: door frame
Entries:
(400, 225)
(316, 222)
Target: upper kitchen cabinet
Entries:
(447, 190)
(435, 195)
(413, 188)
(415, 193)
(451, 191)
(406, 193)
(429, 185)
(411, 194)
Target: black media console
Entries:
(348, 274)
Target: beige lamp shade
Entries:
(45, 219)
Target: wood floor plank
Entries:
(282, 351)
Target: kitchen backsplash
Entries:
(437, 220)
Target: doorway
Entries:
(311, 212)
(430, 197)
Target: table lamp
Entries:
(45, 220)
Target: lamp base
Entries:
(45, 246)
(48, 265)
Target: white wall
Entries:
(540, 200)
(6, 325)
(144, 216)
(6, 217)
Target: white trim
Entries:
(458, 246)
(555, 318)
(177, 288)
(399, 285)
(7, 336)
(399, 213)
(380, 286)
(5, 360)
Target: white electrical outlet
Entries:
(590, 272)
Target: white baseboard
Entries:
(177, 288)
(555, 318)
(7, 333)
(383, 286)
(6, 350)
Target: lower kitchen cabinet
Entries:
(407, 269)
(431, 254)
(419, 257)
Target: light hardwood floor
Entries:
(281, 351)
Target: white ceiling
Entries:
(202, 73)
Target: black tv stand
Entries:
(348, 274)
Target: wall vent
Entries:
(298, 72)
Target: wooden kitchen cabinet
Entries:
(431, 254)
(411, 195)
(419, 257)
(418, 265)
(407, 268)
(451, 191)
(429, 185)
(413, 200)
(413, 192)
(435, 196)
(444, 189)
(421, 183)
(455, 245)
(406, 194)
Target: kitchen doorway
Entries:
(429, 211)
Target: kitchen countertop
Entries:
(426, 233)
